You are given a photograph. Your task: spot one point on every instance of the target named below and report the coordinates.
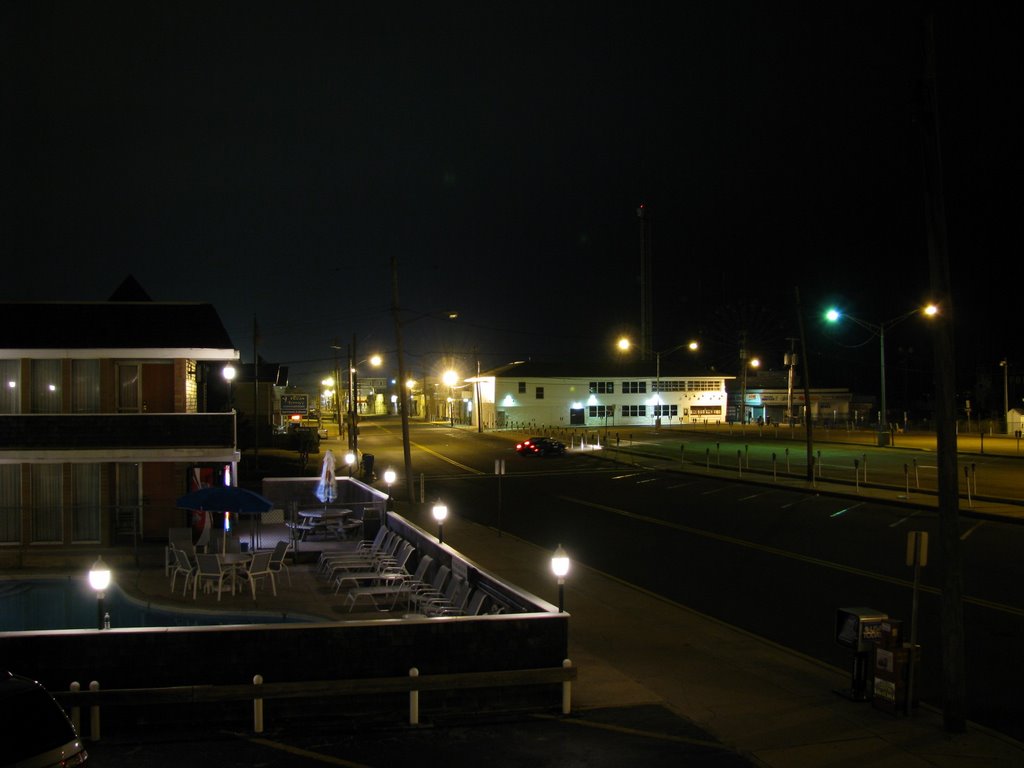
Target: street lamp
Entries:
(353, 430)
(833, 315)
(350, 460)
(450, 378)
(624, 345)
(754, 363)
(99, 579)
(560, 567)
(440, 515)
(389, 478)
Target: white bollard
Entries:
(76, 711)
(414, 700)
(257, 707)
(566, 690)
(94, 715)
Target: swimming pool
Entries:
(67, 602)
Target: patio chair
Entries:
(386, 555)
(176, 537)
(394, 588)
(258, 569)
(278, 564)
(361, 549)
(381, 572)
(422, 592)
(451, 604)
(184, 565)
(209, 573)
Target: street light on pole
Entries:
(450, 378)
(624, 345)
(833, 315)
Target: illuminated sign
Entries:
(295, 404)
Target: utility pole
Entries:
(646, 284)
(808, 425)
(743, 366)
(790, 360)
(954, 688)
(353, 407)
(403, 403)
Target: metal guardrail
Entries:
(75, 699)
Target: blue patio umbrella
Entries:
(229, 499)
(226, 498)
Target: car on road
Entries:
(321, 432)
(40, 732)
(540, 446)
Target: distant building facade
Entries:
(530, 394)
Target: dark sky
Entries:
(274, 158)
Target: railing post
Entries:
(257, 707)
(76, 711)
(567, 690)
(94, 715)
(414, 700)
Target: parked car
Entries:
(321, 432)
(39, 731)
(540, 446)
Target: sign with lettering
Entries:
(295, 404)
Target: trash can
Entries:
(367, 466)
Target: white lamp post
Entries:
(560, 567)
(229, 373)
(440, 515)
(99, 580)
(389, 478)
(350, 460)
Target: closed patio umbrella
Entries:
(327, 488)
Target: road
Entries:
(774, 560)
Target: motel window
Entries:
(634, 387)
(602, 387)
(540, 393)
(522, 387)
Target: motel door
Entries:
(576, 417)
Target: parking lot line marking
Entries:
(637, 732)
(298, 751)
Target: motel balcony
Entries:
(28, 438)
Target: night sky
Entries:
(273, 159)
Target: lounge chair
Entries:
(363, 549)
(393, 588)
(383, 571)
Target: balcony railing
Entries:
(113, 431)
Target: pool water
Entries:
(70, 603)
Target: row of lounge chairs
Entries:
(378, 571)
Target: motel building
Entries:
(529, 394)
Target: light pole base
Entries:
(883, 439)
